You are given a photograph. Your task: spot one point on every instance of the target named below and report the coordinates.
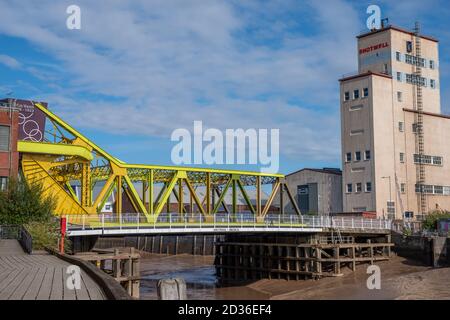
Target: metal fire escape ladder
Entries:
(420, 168)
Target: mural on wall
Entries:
(31, 120)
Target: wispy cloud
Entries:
(9, 61)
(148, 67)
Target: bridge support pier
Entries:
(241, 259)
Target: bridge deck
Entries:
(39, 277)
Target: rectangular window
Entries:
(402, 188)
(346, 96)
(438, 189)
(367, 155)
(399, 96)
(348, 157)
(402, 157)
(398, 56)
(356, 94)
(409, 46)
(4, 138)
(432, 66)
(401, 126)
(426, 159)
(3, 183)
(433, 84)
(399, 76)
(349, 188)
(415, 61)
(368, 186)
(359, 187)
(366, 92)
(414, 127)
(358, 156)
(390, 207)
(416, 80)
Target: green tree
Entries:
(21, 203)
(433, 217)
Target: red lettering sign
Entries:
(374, 48)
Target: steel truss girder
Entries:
(121, 178)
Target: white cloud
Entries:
(160, 58)
(9, 61)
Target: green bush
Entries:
(21, 204)
(433, 217)
(44, 234)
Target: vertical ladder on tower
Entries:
(420, 148)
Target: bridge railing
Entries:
(221, 220)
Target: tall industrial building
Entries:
(395, 141)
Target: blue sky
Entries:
(137, 70)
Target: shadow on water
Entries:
(199, 274)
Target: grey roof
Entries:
(336, 171)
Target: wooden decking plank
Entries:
(6, 281)
(33, 290)
(20, 291)
(57, 285)
(40, 277)
(69, 294)
(45, 288)
(83, 293)
(12, 286)
(95, 293)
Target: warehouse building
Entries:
(395, 151)
(317, 191)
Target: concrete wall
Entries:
(432, 251)
(329, 190)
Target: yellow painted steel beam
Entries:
(135, 196)
(104, 193)
(166, 194)
(272, 196)
(194, 195)
(54, 149)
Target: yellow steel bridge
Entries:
(66, 156)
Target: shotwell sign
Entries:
(374, 48)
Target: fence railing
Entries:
(17, 232)
(10, 232)
(178, 221)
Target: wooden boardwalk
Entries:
(39, 277)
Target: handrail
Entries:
(184, 222)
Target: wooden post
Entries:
(353, 259)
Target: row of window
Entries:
(416, 79)
(358, 187)
(425, 159)
(356, 94)
(348, 156)
(433, 189)
(413, 60)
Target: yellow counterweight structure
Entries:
(68, 158)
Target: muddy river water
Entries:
(400, 279)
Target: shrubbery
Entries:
(433, 217)
(21, 203)
(26, 205)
